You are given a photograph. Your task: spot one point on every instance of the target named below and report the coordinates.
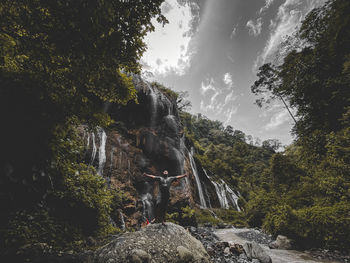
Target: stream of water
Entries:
(233, 235)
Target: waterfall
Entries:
(198, 182)
(122, 220)
(147, 203)
(94, 149)
(220, 191)
(88, 141)
(146, 198)
(154, 104)
(233, 197)
(101, 151)
(208, 197)
(226, 194)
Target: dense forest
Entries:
(62, 61)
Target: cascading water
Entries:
(147, 201)
(198, 182)
(88, 141)
(101, 151)
(94, 149)
(122, 220)
(233, 197)
(226, 195)
(154, 104)
(220, 191)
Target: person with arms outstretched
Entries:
(165, 182)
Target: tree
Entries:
(271, 144)
(269, 82)
(183, 104)
(314, 76)
(64, 59)
(60, 61)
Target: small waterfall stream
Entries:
(101, 151)
(94, 149)
(224, 193)
(198, 182)
(154, 105)
(232, 197)
(101, 158)
(122, 220)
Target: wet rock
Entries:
(210, 250)
(154, 243)
(220, 252)
(281, 242)
(255, 251)
(222, 225)
(236, 249)
(227, 250)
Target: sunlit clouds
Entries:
(212, 49)
(254, 27)
(286, 22)
(220, 97)
(168, 45)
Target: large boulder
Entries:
(254, 251)
(155, 243)
(281, 242)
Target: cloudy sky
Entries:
(213, 48)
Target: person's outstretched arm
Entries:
(181, 176)
(149, 175)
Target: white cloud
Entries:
(229, 97)
(287, 21)
(277, 120)
(268, 3)
(218, 99)
(170, 44)
(228, 79)
(207, 86)
(234, 32)
(229, 114)
(255, 27)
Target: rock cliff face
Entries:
(149, 137)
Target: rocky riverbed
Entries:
(226, 246)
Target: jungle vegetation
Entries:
(60, 61)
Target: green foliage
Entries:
(60, 61)
(319, 89)
(223, 152)
(172, 95)
(184, 216)
(232, 217)
(310, 181)
(314, 226)
(258, 206)
(206, 216)
(30, 226)
(217, 215)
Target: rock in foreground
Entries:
(255, 251)
(154, 244)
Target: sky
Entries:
(213, 48)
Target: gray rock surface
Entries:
(154, 244)
(282, 242)
(255, 251)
